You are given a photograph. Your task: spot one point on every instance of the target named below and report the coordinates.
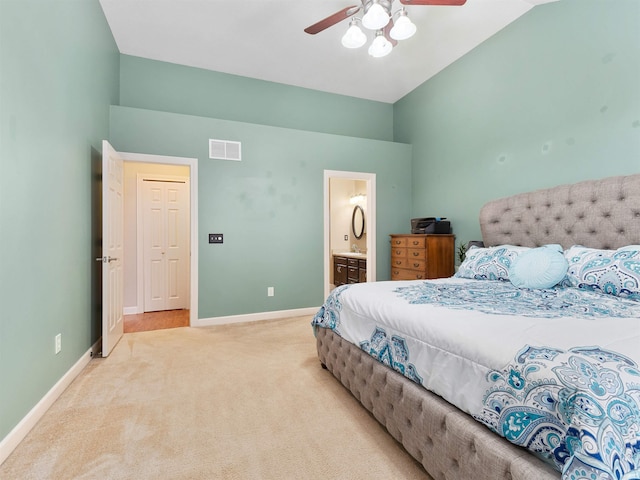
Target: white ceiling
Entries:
(264, 39)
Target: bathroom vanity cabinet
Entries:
(347, 269)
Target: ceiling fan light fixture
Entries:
(376, 17)
(403, 27)
(354, 37)
(380, 47)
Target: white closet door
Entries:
(177, 245)
(166, 245)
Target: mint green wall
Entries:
(59, 74)
(269, 206)
(553, 98)
(155, 85)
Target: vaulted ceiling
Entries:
(265, 39)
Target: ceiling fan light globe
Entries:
(403, 28)
(376, 17)
(354, 37)
(380, 47)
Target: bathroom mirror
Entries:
(357, 222)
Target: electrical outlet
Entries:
(58, 343)
(270, 292)
(346, 238)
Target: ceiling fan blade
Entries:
(386, 31)
(332, 19)
(450, 3)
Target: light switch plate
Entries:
(216, 238)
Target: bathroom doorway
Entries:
(344, 192)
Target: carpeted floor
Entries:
(243, 401)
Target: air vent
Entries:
(225, 150)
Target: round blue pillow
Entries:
(542, 267)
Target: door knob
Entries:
(106, 259)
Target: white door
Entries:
(112, 248)
(166, 245)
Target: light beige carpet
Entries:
(244, 401)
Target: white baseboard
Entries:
(254, 317)
(15, 436)
(130, 310)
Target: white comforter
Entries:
(482, 346)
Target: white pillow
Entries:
(615, 272)
(489, 263)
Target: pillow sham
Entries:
(614, 272)
(539, 268)
(489, 263)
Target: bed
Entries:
(557, 392)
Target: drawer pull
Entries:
(416, 265)
(415, 254)
(415, 242)
(419, 277)
(398, 262)
(398, 252)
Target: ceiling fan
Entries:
(378, 16)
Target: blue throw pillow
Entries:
(542, 267)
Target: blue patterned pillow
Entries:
(542, 267)
(615, 272)
(490, 263)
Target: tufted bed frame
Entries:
(446, 441)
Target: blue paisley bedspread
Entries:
(577, 408)
(503, 298)
(555, 371)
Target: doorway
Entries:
(334, 228)
(141, 167)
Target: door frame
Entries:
(370, 222)
(141, 177)
(193, 215)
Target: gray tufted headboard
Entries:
(596, 213)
